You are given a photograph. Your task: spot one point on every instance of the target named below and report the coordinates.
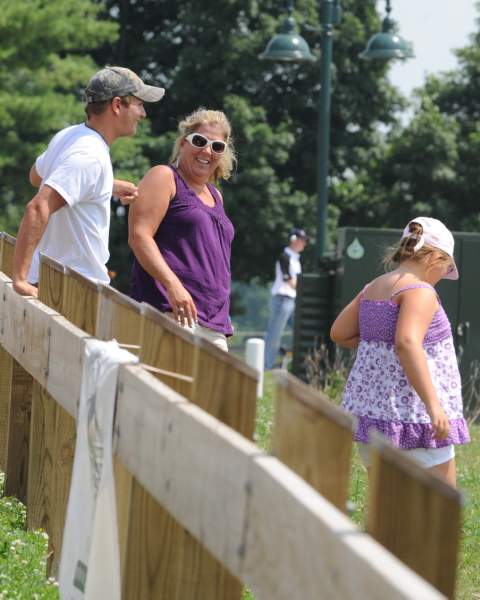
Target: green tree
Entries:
(430, 166)
(206, 54)
(44, 65)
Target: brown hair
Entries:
(192, 122)
(405, 250)
(98, 108)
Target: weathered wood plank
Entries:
(6, 366)
(5, 375)
(313, 437)
(8, 250)
(415, 515)
(50, 285)
(225, 387)
(167, 346)
(79, 307)
(80, 301)
(16, 471)
(65, 362)
(165, 482)
(167, 572)
(119, 318)
(40, 480)
(44, 412)
(267, 526)
(20, 402)
(28, 327)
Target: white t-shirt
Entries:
(77, 165)
(287, 267)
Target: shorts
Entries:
(425, 457)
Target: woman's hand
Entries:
(440, 422)
(182, 304)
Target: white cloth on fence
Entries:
(90, 562)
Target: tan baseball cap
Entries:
(119, 81)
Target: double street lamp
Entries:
(289, 46)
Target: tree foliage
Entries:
(430, 165)
(44, 64)
(206, 54)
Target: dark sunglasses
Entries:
(197, 140)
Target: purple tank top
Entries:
(195, 240)
(378, 319)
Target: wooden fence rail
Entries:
(203, 510)
(410, 511)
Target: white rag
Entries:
(90, 562)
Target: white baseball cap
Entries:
(436, 235)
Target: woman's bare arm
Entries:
(155, 191)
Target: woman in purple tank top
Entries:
(180, 234)
(405, 381)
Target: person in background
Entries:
(284, 292)
(405, 381)
(68, 219)
(180, 234)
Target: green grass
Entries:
(468, 472)
(23, 556)
(265, 414)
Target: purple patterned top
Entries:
(378, 392)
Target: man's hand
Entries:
(125, 191)
(25, 289)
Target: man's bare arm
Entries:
(34, 222)
(34, 177)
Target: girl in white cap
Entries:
(405, 381)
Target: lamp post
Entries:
(290, 46)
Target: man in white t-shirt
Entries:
(69, 217)
(284, 292)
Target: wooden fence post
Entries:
(19, 409)
(415, 515)
(80, 307)
(6, 366)
(76, 298)
(225, 387)
(41, 477)
(120, 318)
(8, 250)
(313, 437)
(164, 560)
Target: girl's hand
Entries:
(182, 304)
(440, 422)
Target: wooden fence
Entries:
(202, 510)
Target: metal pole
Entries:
(329, 15)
